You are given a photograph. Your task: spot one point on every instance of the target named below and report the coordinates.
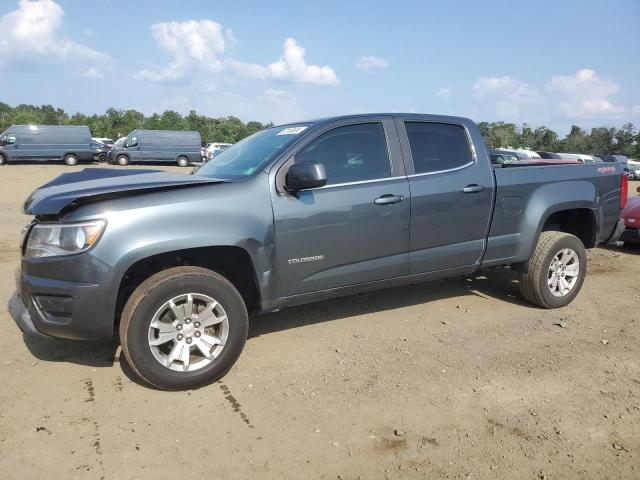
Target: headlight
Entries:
(51, 239)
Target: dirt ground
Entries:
(454, 379)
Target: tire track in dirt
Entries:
(237, 408)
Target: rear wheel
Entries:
(3, 160)
(183, 161)
(122, 160)
(71, 159)
(183, 328)
(556, 270)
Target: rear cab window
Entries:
(351, 153)
(438, 147)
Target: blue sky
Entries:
(545, 62)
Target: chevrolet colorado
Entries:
(295, 214)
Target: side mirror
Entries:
(305, 175)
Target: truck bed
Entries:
(527, 193)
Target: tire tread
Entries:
(151, 283)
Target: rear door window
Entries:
(352, 153)
(437, 146)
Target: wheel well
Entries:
(578, 222)
(233, 263)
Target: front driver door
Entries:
(356, 228)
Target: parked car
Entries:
(633, 169)
(549, 155)
(213, 149)
(100, 150)
(631, 217)
(71, 144)
(104, 140)
(501, 156)
(181, 147)
(295, 214)
(613, 158)
(579, 157)
(520, 153)
(527, 157)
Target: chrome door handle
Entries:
(388, 199)
(474, 188)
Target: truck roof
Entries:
(425, 116)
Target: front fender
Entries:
(236, 215)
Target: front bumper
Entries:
(630, 235)
(66, 297)
(20, 314)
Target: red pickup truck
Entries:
(631, 217)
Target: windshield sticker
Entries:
(292, 131)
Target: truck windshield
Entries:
(246, 157)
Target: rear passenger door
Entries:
(356, 228)
(451, 194)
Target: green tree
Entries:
(576, 142)
(625, 139)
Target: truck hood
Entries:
(91, 184)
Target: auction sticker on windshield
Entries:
(292, 131)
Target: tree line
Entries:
(609, 140)
(117, 123)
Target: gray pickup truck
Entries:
(296, 214)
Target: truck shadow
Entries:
(630, 248)
(500, 284)
(92, 354)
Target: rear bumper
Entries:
(617, 232)
(630, 235)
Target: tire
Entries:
(545, 273)
(152, 297)
(3, 160)
(183, 161)
(71, 159)
(102, 157)
(122, 160)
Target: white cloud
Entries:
(584, 94)
(201, 46)
(444, 92)
(367, 62)
(33, 30)
(92, 73)
(281, 105)
(192, 44)
(508, 94)
(291, 67)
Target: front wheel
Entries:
(556, 270)
(183, 161)
(71, 159)
(122, 160)
(102, 157)
(183, 328)
(3, 161)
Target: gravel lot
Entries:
(454, 379)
